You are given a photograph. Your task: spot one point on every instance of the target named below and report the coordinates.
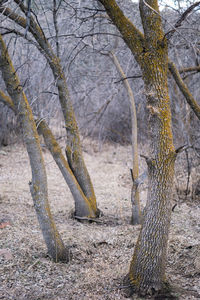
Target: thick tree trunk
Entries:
(38, 186)
(147, 270)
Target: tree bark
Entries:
(147, 269)
(38, 185)
(82, 207)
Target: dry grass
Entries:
(101, 251)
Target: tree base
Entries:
(136, 221)
(166, 292)
(63, 257)
(85, 219)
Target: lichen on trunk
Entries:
(82, 205)
(73, 145)
(147, 269)
(38, 185)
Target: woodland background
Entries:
(103, 112)
(97, 91)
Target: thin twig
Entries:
(188, 174)
(181, 19)
(28, 17)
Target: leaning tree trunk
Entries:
(81, 209)
(184, 89)
(60, 160)
(38, 186)
(73, 146)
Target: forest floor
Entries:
(101, 252)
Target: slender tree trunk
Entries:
(60, 160)
(73, 146)
(184, 89)
(135, 196)
(38, 186)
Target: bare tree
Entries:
(147, 270)
(38, 185)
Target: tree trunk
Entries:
(73, 146)
(147, 269)
(38, 186)
(82, 207)
(136, 216)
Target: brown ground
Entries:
(101, 251)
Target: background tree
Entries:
(135, 196)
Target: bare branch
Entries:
(7, 100)
(131, 35)
(184, 89)
(28, 16)
(170, 33)
(129, 77)
(84, 35)
(190, 69)
(55, 10)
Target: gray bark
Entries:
(38, 185)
